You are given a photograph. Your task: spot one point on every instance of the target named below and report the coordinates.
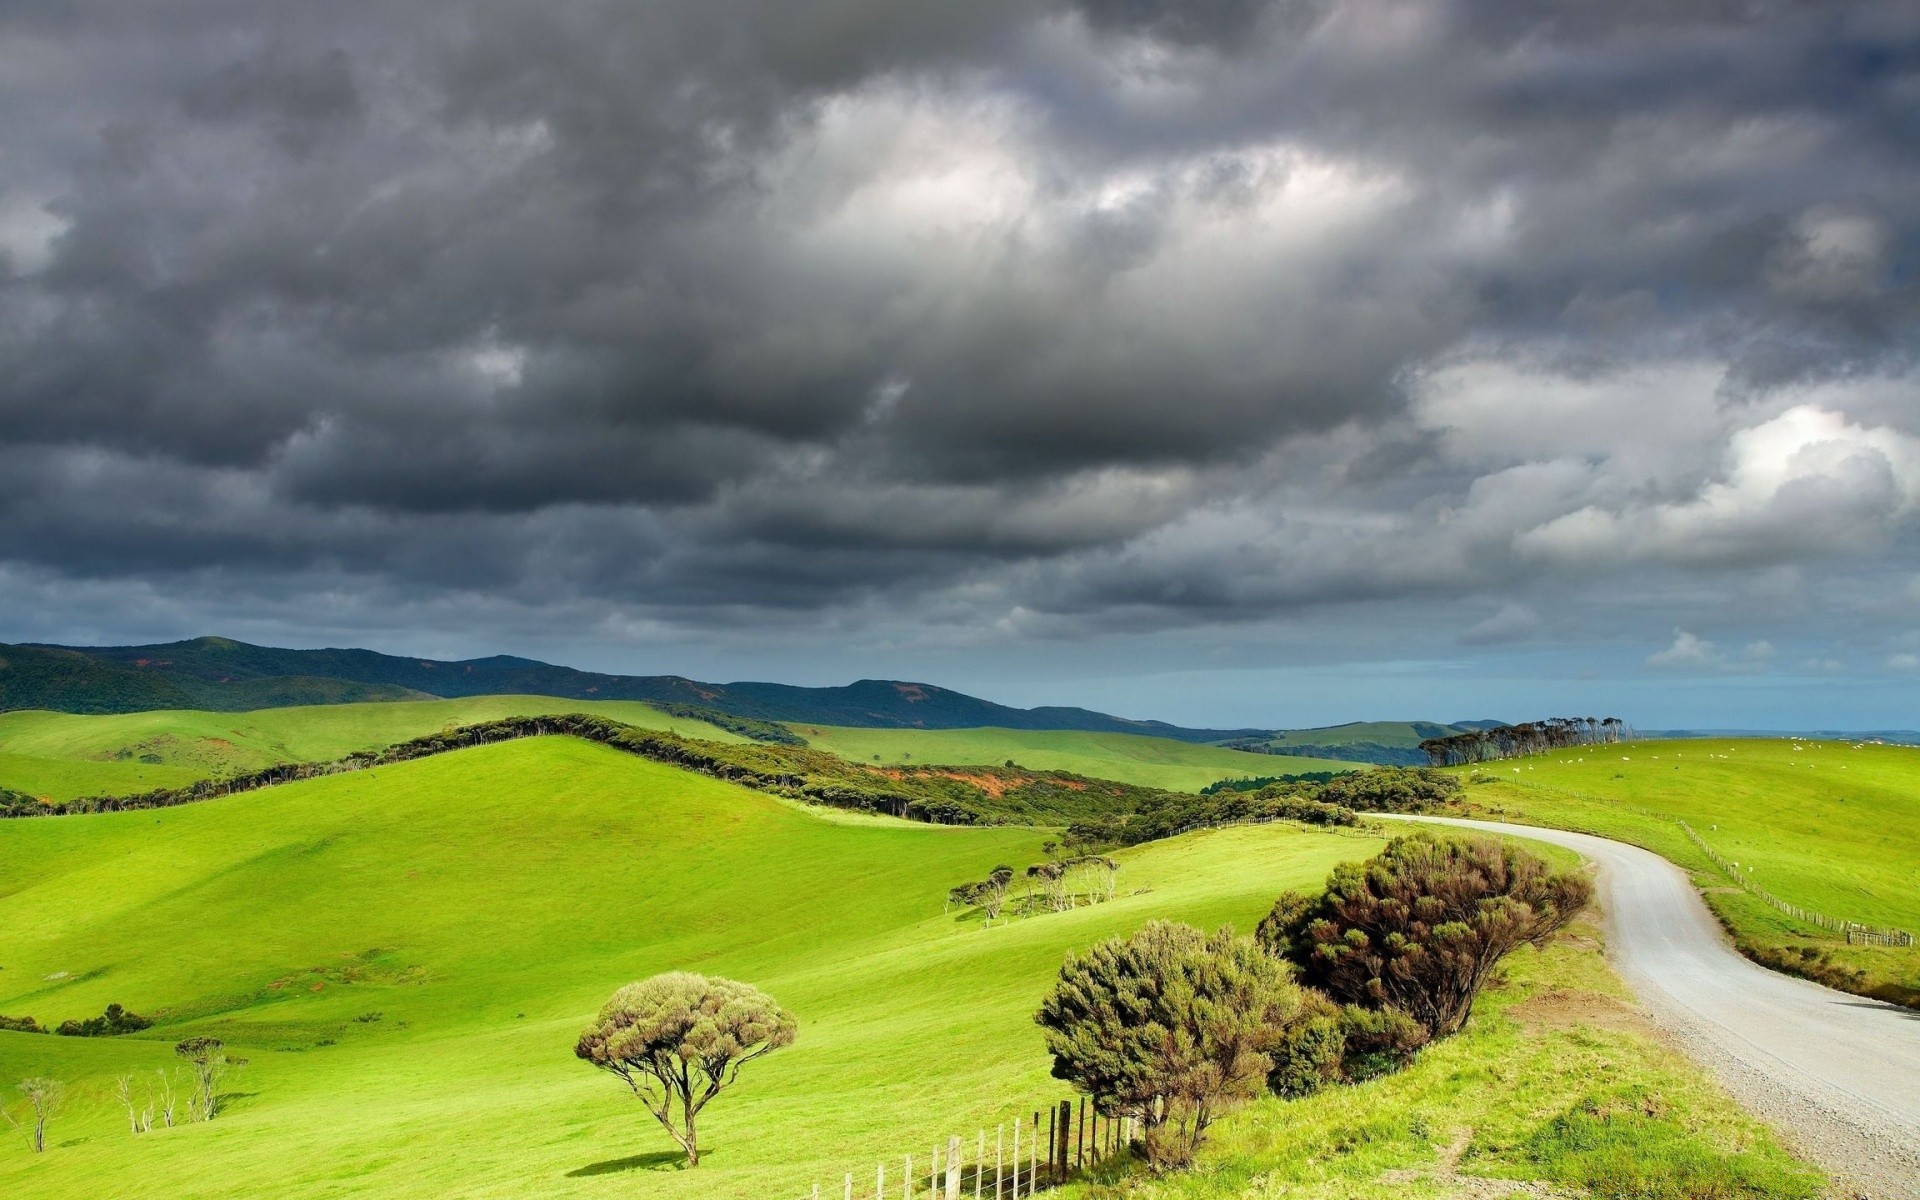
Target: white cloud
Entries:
(1691, 652)
(1805, 483)
(1904, 662)
(1687, 651)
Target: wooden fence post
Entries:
(849, 1185)
(979, 1163)
(1080, 1140)
(880, 1182)
(953, 1167)
(1060, 1148)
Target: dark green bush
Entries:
(115, 1021)
(21, 1025)
(1168, 1026)
(1421, 926)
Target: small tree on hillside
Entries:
(989, 894)
(676, 1040)
(1420, 927)
(207, 1056)
(44, 1097)
(1167, 1026)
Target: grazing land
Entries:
(1130, 758)
(406, 954)
(484, 903)
(1830, 826)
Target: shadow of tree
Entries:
(659, 1160)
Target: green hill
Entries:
(1829, 826)
(1149, 761)
(1385, 743)
(61, 755)
(406, 954)
(483, 903)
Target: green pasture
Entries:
(405, 956)
(1831, 826)
(64, 755)
(1130, 758)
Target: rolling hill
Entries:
(482, 903)
(1149, 761)
(405, 955)
(1384, 743)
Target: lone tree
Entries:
(1167, 1026)
(678, 1039)
(1420, 927)
(208, 1058)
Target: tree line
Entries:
(968, 795)
(1528, 737)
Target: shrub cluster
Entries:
(115, 1021)
(21, 1025)
(1170, 1025)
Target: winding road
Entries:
(1839, 1074)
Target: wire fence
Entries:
(1855, 932)
(1035, 1154)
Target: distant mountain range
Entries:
(229, 676)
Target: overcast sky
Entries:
(1223, 361)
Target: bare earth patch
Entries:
(1446, 1173)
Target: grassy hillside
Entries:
(61, 755)
(1149, 761)
(1830, 826)
(483, 903)
(406, 955)
(1394, 743)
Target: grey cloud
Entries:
(1115, 311)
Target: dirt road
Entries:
(1839, 1074)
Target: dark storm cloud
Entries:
(1103, 311)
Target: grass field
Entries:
(1149, 761)
(1830, 826)
(61, 755)
(484, 903)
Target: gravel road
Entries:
(1838, 1074)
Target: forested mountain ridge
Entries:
(225, 675)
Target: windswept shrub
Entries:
(115, 1021)
(1168, 1026)
(1419, 928)
(21, 1025)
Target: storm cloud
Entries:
(966, 324)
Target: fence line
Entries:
(1006, 1169)
(1855, 932)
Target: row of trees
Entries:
(1171, 1025)
(1057, 885)
(1529, 737)
(207, 1063)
